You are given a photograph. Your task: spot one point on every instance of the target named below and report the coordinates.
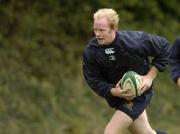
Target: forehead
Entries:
(101, 23)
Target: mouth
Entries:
(100, 39)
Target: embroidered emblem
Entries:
(109, 51)
(129, 105)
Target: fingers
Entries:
(127, 94)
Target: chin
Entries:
(103, 44)
(100, 43)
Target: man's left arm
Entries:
(158, 48)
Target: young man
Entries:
(175, 61)
(108, 56)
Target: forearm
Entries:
(102, 88)
(152, 73)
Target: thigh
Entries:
(141, 125)
(118, 123)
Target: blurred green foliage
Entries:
(42, 90)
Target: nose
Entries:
(97, 32)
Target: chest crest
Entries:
(109, 51)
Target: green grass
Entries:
(70, 107)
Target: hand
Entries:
(178, 82)
(146, 83)
(122, 93)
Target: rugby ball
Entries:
(131, 80)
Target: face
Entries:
(103, 32)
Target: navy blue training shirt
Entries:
(104, 65)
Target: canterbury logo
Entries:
(109, 50)
(129, 105)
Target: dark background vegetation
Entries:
(42, 89)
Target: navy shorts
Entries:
(135, 107)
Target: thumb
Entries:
(119, 83)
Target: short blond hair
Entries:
(110, 14)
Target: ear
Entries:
(113, 28)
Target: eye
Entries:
(99, 30)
